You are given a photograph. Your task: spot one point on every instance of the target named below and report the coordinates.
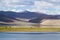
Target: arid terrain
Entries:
(50, 23)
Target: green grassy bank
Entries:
(8, 29)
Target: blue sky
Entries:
(44, 6)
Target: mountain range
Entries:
(33, 17)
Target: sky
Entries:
(42, 6)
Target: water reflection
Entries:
(4, 36)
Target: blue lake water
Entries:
(17, 36)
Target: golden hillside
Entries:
(50, 23)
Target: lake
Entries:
(31, 36)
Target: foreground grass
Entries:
(29, 30)
(22, 29)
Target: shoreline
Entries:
(30, 32)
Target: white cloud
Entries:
(14, 10)
(39, 6)
(42, 3)
(55, 0)
(10, 2)
(46, 7)
(16, 2)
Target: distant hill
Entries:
(5, 18)
(25, 14)
(35, 17)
